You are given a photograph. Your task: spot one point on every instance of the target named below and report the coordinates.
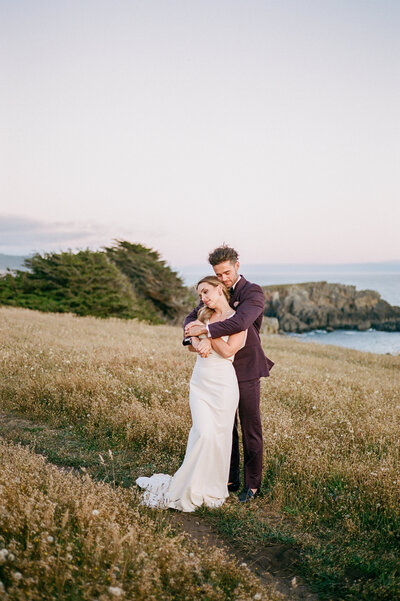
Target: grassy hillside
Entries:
(330, 419)
(67, 537)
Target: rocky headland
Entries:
(319, 305)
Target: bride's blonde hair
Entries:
(205, 312)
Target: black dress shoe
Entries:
(233, 486)
(247, 495)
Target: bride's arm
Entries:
(195, 343)
(229, 348)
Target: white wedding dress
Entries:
(202, 478)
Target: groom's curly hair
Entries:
(223, 253)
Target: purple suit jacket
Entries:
(248, 301)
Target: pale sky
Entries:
(271, 125)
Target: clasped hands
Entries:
(196, 328)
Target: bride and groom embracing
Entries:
(224, 332)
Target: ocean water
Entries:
(384, 278)
(372, 341)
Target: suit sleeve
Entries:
(192, 315)
(246, 314)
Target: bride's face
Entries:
(210, 295)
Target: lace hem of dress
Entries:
(155, 495)
(155, 490)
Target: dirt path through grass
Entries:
(274, 563)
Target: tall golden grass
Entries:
(67, 537)
(331, 416)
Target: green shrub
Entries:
(152, 279)
(126, 280)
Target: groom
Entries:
(250, 364)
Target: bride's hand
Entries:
(204, 347)
(195, 328)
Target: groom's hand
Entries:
(204, 347)
(195, 328)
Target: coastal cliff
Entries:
(319, 305)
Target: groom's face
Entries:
(227, 272)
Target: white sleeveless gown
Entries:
(203, 475)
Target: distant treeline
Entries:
(125, 280)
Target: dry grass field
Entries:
(331, 420)
(65, 537)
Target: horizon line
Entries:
(251, 264)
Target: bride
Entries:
(213, 398)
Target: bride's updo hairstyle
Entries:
(205, 312)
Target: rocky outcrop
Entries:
(270, 325)
(319, 305)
